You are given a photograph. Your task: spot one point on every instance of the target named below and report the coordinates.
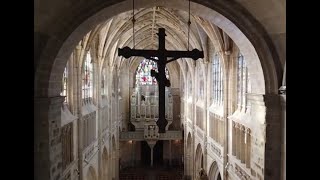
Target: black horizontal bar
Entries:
(128, 52)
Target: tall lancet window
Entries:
(200, 81)
(243, 83)
(143, 73)
(217, 81)
(87, 81)
(64, 90)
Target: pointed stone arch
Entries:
(214, 172)
(105, 163)
(198, 160)
(91, 174)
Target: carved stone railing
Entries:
(139, 135)
(90, 151)
(105, 137)
(171, 135)
(129, 135)
(241, 173)
(215, 148)
(200, 132)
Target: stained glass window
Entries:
(87, 81)
(217, 80)
(143, 73)
(65, 83)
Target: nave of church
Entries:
(96, 112)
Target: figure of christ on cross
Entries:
(162, 55)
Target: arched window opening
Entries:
(87, 81)
(201, 82)
(64, 90)
(143, 73)
(217, 81)
(243, 83)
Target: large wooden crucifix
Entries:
(162, 55)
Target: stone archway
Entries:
(214, 173)
(105, 164)
(198, 160)
(91, 174)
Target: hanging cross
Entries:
(162, 55)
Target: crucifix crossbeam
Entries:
(162, 55)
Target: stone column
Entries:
(186, 151)
(273, 134)
(222, 132)
(240, 142)
(47, 143)
(151, 144)
(98, 121)
(214, 127)
(243, 145)
(248, 147)
(114, 164)
(283, 152)
(237, 141)
(233, 138)
(187, 164)
(117, 163)
(170, 158)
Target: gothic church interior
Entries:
(95, 112)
